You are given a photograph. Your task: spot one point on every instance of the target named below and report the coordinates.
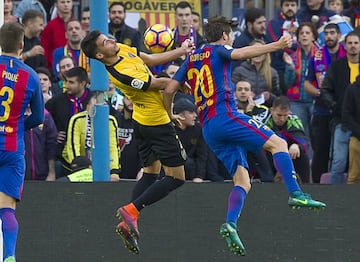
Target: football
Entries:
(158, 38)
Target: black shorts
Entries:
(159, 143)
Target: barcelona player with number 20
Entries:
(228, 132)
(19, 88)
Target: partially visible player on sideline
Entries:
(154, 132)
(19, 87)
(228, 132)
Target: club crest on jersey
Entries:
(136, 83)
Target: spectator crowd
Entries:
(307, 94)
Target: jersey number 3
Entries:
(6, 98)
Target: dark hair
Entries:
(282, 102)
(283, 1)
(88, 44)
(85, 9)
(332, 26)
(312, 28)
(30, 15)
(215, 27)
(183, 5)
(352, 33)
(11, 35)
(78, 72)
(252, 14)
(117, 3)
(196, 13)
(43, 70)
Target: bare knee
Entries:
(276, 144)
(176, 172)
(241, 178)
(154, 168)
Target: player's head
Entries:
(12, 37)
(219, 28)
(280, 110)
(98, 46)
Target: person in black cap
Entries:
(81, 170)
(190, 135)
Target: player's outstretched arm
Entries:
(253, 51)
(161, 58)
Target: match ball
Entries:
(158, 38)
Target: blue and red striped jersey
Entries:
(208, 71)
(19, 87)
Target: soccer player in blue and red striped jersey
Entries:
(19, 88)
(228, 132)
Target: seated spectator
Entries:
(289, 127)
(259, 166)
(190, 135)
(263, 78)
(79, 140)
